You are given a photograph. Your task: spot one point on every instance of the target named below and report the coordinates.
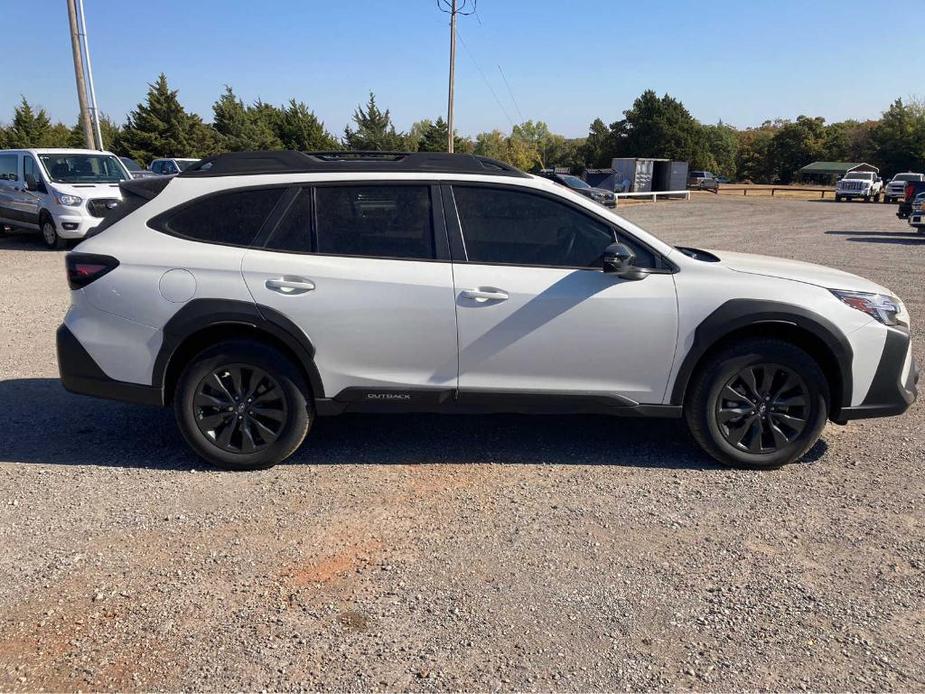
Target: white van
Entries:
(63, 193)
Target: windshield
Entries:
(859, 176)
(131, 164)
(83, 168)
(184, 164)
(907, 177)
(574, 182)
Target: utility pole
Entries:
(85, 122)
(449, 106)
(94, 109)
(453, 8)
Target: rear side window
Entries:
(382, 221)
(233, 218)
(294, 232)
(9, 167)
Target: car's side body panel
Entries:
(375, 323)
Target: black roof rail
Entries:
(290, 161)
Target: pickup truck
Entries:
(859, 184)
(896, 188)
(917, 216)
(913, 188)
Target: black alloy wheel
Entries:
(240, 408)
(758, 403)
(763, 408)
(243, 405)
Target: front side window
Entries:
(233, 218)
(83, 168)
(184, 164)
(379, 221)
(30, 170)
(168, 167)
(503, 226)
(518, 228)
(8, 167)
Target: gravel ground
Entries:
(428, 552)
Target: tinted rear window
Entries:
(233, 218)
(381, 221)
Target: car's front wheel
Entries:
(243, 405)
(50, 235)
(760, 403)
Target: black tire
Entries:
(262, 439)
(706, 408)
(50, 234)
(838, 198)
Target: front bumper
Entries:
(895, 384)
(81, 374)
(74, 226)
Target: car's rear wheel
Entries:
(761, 403)
(243, 405)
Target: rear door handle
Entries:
(483, 294)
(290, 286)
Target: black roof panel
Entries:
(289, 161)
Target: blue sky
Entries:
(567, 61)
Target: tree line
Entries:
(653, 127)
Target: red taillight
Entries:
(84, 268)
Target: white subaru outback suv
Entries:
(256, 291)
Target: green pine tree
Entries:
(300, 129)
(243, 128)
(161, 127)
(29, 128)
(374, 131)
(434, 136)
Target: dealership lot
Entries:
(433, 552)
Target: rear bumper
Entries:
(895, 384)
(81, 374)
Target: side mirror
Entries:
(618, 260)
(32, 184)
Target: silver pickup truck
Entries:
(896, 188)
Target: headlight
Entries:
(68, 200)
(880, 306)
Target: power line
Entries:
(485, 79)
(507, 84)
